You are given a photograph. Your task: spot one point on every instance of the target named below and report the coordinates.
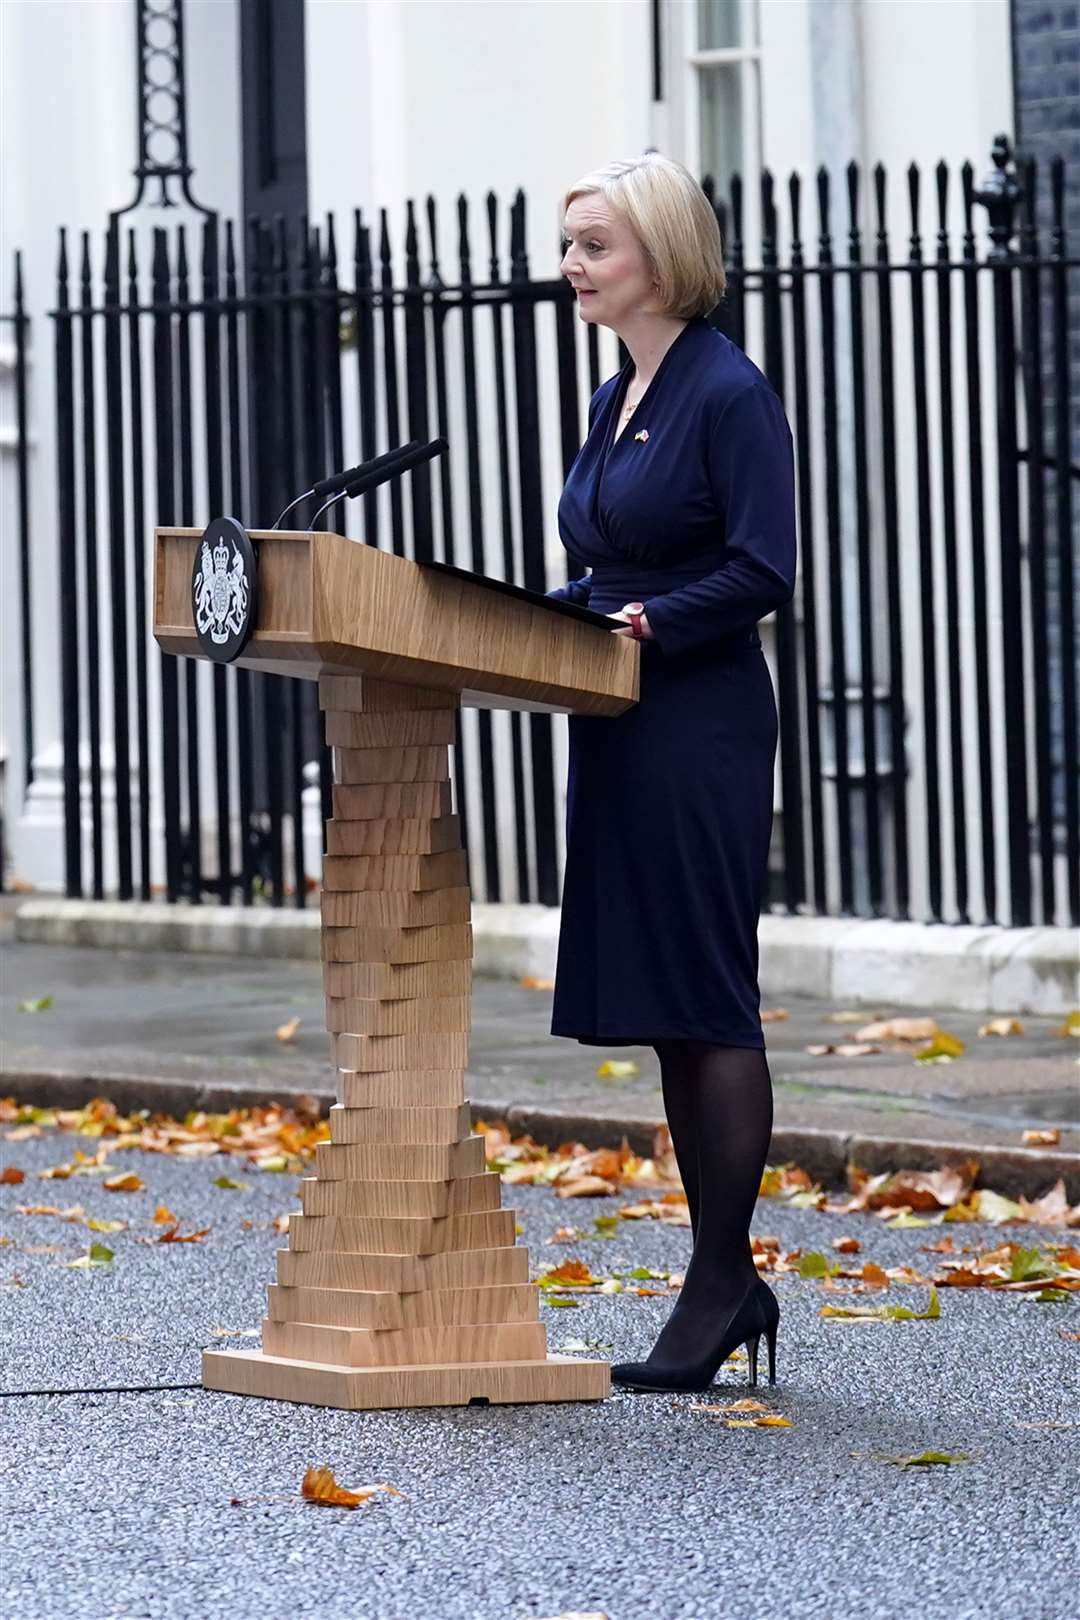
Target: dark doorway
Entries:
(274, 99)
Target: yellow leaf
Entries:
(992, 1206)
(286, 1032)
(1041, 1138)
(105, 1226)
(943, 1045)
(615, 1069)
(1071, 1026)
(530, 982)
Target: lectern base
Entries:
(353, 1389)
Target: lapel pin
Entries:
(643, 435)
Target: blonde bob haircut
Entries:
(674, 222)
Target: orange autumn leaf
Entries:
(570, 1273)
(163, 1216)
(874, 1275)
(320, 1486)
(11, 1177)
(174, 1235)
(128, 1182)
(846, 1245)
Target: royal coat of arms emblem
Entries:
(223, 590)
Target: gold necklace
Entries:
(629, 410)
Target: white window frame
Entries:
(686, 120)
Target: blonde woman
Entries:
(681, 504)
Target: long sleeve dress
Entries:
(691, 510)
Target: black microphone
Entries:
(385, 468)
(338, 481)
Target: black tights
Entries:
(718, 1101)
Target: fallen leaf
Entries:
(38, 1004)
(10, 1176)
(873, 1275)
(568, 1274)
(584, 1187)
(163, 1216)
(1041, 1138)
(227, 1182)
(128, 1182)
(769, 1420)
(1052, 1209)
(942, 1049)
(1002, 1026)
(899, 1029)
(105, 1226)
(286, 1032)
(885, 1313)
(530, 982)
(173, 1235)
(1071, 1026)
(72, 1212)
(617, 1069)
(848, 1049)
(846, 1245)
(926, 1459)
(99, 1255)
(320, 1486)
(774, 1015)
(815, 1265)
(911, 1189)
(993, 1207)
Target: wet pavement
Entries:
(169, 1030)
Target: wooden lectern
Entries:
(402, 1283)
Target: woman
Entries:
(681, 501)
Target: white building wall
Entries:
(68, 137)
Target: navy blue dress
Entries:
(669, 804)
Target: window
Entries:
(725, 94)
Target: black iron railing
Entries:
(926, 669)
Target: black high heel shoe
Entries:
(756, 1313)
(771, 1311)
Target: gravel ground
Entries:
(118, 1504)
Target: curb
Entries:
(845, 960)
(824, 1155)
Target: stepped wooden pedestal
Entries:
(402, 1283)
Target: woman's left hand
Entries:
(628, 629)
